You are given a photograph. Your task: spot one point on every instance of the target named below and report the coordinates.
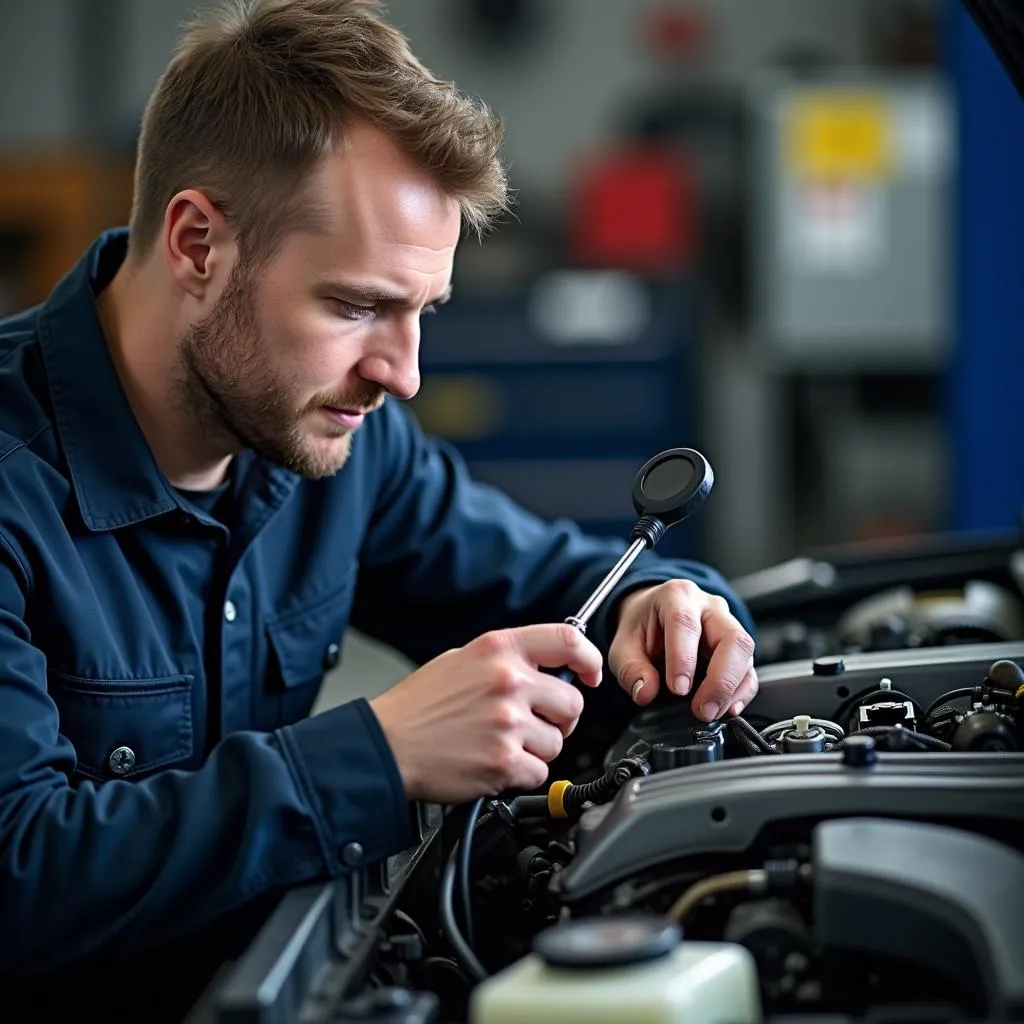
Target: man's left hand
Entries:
(677, 619)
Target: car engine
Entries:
(851, 847)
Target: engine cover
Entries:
(721, 807)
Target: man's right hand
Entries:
(483, 718)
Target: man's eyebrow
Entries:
(371, 295)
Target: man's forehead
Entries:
(375, 189)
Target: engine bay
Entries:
(851, 847)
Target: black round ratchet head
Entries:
(672, 485)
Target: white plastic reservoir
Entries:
(622, 971)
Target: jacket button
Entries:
(332, 656)
(230, 611)
(122, 760)
(352, 854)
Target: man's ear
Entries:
(199, 249)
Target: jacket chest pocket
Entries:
(304, 645)
(124, 728)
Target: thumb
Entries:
(635, 672)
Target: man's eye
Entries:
(351, 311)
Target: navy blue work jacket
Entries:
(158, 765)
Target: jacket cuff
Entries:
(348, 774)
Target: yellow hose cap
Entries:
(556, 798)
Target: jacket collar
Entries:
(113, 472)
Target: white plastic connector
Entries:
(885, 684)
(802, 724)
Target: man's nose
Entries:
(392, 359)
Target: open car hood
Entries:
(1002, 21)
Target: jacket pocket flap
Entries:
(147, 721)
(306, 643)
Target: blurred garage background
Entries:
(789, 233)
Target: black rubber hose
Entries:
(747, 732)
(914, 737)
(464, 867)
(964, 691)
(600, 791)
(463, 952)
(752, 749)
(968, 691)
(530, 806)
(595, 792)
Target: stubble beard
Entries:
(226, 389)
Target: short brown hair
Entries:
(261, 90)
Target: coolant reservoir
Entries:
(622, 970)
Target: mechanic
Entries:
(206, 475)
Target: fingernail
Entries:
(711, 710)
(737, 707)
(682, 685)
(637, 687)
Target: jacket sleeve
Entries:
(447, 558)
(89, 866)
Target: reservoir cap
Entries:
(607, 941)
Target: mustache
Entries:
(370, 399)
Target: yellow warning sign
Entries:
(839, 133)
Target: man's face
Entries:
(293, 357)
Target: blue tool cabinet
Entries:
(561, 427)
